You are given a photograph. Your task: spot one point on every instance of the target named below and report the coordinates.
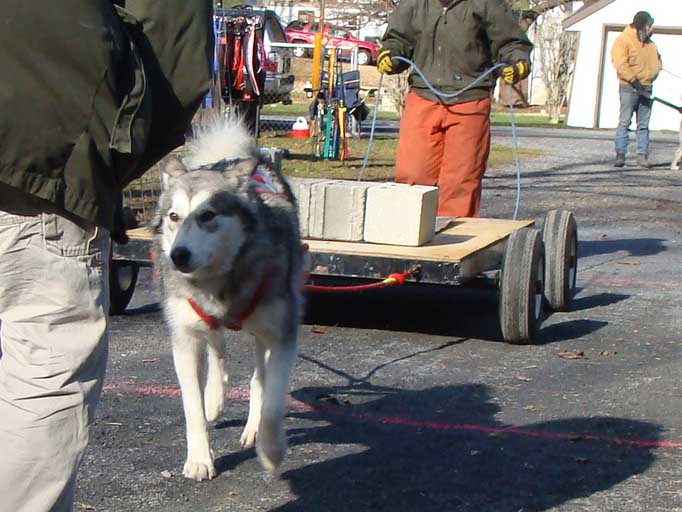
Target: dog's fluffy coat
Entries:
(229, 245)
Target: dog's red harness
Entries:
(214, 324)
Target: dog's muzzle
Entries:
(180, 256)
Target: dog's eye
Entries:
(174, 217)
(207, 216)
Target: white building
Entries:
(594, 100)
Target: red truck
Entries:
(302, 32)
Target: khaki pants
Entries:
(54, 303)
(447, 146)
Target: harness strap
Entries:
(238, 64)
(249, 63)
(263, 185)
(214, 324)
(209, 320)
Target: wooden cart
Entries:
(533, 269)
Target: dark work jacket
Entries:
(92, 95)
(454, 44)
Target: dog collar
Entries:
(262, 184)
(214, 324)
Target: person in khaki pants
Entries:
(92, 93)
(446, 141)
(53, 305)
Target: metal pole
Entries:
(318, 56)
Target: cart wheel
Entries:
(122, 281)
(560, 234)
(522, 286)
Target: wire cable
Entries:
(446, 95)
(441, 94)
(361, 174)
(672, 74)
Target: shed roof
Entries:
(586, 10)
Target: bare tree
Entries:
(530, 10)
(351, 14)
(354, 13)
(555, 53)
(398, 87)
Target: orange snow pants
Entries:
(445, 146)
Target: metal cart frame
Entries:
(534, 270)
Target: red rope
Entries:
(391, 280)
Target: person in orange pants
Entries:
(445, 146)
(446, 141)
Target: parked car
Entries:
(279, 81)
(301, 32)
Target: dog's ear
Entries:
(243, 168)
(155, 223)
(157, 218)
(173, 167)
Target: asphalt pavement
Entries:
(407, 399)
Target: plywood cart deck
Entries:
(463, 249)
(531, 268)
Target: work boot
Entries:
(643, 160)
(620, 160)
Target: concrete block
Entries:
(400, 214)
(302, 190)
(337, 210)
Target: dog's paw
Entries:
(271, 448)
(674, 167)
(199, 470)
(248, 438)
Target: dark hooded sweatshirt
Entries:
(91, 96)
(454, 42)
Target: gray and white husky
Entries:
(229, 254)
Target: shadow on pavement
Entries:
(569, 330)
(597, 300)
(443, 449)
(460, 312)
(633, 246)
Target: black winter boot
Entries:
(643, 160)
(620, 160)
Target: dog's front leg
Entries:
(216, 376)
(272, 445)
(675, 166)
(188, 359)
(248, 438)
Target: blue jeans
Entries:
(631, 102)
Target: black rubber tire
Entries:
(521, 293)
(122, 280)
(560, 235)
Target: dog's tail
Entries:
(225, 138)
